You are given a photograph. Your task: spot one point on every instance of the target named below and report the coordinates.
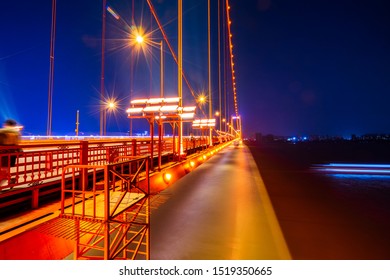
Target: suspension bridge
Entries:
(194, 193)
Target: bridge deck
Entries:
(220, 210)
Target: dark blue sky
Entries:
(314, 67)
(303, 67)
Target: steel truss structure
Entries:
(106, 209)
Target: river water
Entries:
(329, 214)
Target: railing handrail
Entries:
(44, 161)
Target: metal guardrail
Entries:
(39, 167)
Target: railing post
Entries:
(83, 161)
(134, 146)
(35, 199)
(151, 142)
(147, 171)
(84, 152)
(159, 144)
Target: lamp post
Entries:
(102, 109)
(77, 123)
(51, 71)
(209, 69)
(140, 40)
(180, 69)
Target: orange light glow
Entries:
(202, 99)
(167, 177)
(139, 39)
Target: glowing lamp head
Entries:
(111, 105)
(202, 99)
(139, 39)
(167, 177)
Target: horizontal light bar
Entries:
(203, 125)
(155, 100)
(187, 115)
(139, 101)
(152, 109)
(189, 109)
(204, 121)
(169, 108)
(172, 100)
(134, 110)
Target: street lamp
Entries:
(202, 99)
(203, 125)
(140, 40)
(111, 106)
(160, 110)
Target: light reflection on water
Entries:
(366, 195)
(360, 181)
(360, 176)
(357, 175)
(359, 187)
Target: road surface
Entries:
(220, 211)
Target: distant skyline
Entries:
(303, 67)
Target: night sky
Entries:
(313, 67)
(302, 67)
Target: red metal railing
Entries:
(41, 163)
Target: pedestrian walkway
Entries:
(220, 211)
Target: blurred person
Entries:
(9, 142)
